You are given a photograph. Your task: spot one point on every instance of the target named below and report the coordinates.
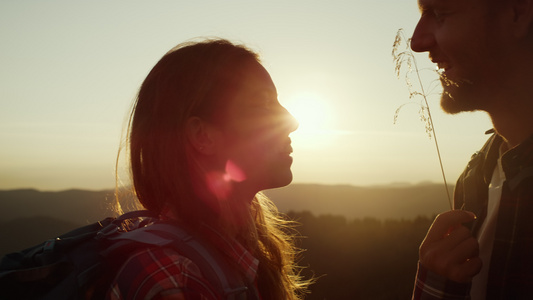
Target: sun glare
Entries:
(315, 116)
(312, 112)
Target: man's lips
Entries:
(441, 62)
(442, 66)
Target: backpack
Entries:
(82, 263)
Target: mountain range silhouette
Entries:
(29, 216)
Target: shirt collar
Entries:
(518, 158)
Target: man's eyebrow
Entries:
(424, 5)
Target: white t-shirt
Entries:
(486, 233)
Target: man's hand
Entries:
(449, 248)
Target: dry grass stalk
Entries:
(403, 56)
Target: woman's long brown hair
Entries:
(195, 79)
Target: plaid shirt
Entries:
(158, 273)
(511, 266)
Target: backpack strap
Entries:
(217, 269)
(137, 214)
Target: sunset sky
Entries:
(71, 69)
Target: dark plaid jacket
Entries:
(511, 266)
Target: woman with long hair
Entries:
(206, 135)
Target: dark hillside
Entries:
(25, 232)
(76, 206)
(359, 242)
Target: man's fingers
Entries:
(466, 250)
(457, 235)
(473, 266)
(448, 242)
(446, 221)
(446, 256)
(466, 271)
(449, 248)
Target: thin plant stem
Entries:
(434, 134)
(407, 57)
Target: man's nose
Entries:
(423, 38)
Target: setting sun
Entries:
(315, 117)
(312, 112)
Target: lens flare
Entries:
(234, 173)
(221, 183)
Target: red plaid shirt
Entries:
(511, 266)
(162, 273)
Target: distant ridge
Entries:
(75, 205)
(29, 216)
(395, 201)
(380, 202)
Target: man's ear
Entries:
(523, 17)
(200, 135)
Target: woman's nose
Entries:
(290, 123)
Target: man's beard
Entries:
(456, 96)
